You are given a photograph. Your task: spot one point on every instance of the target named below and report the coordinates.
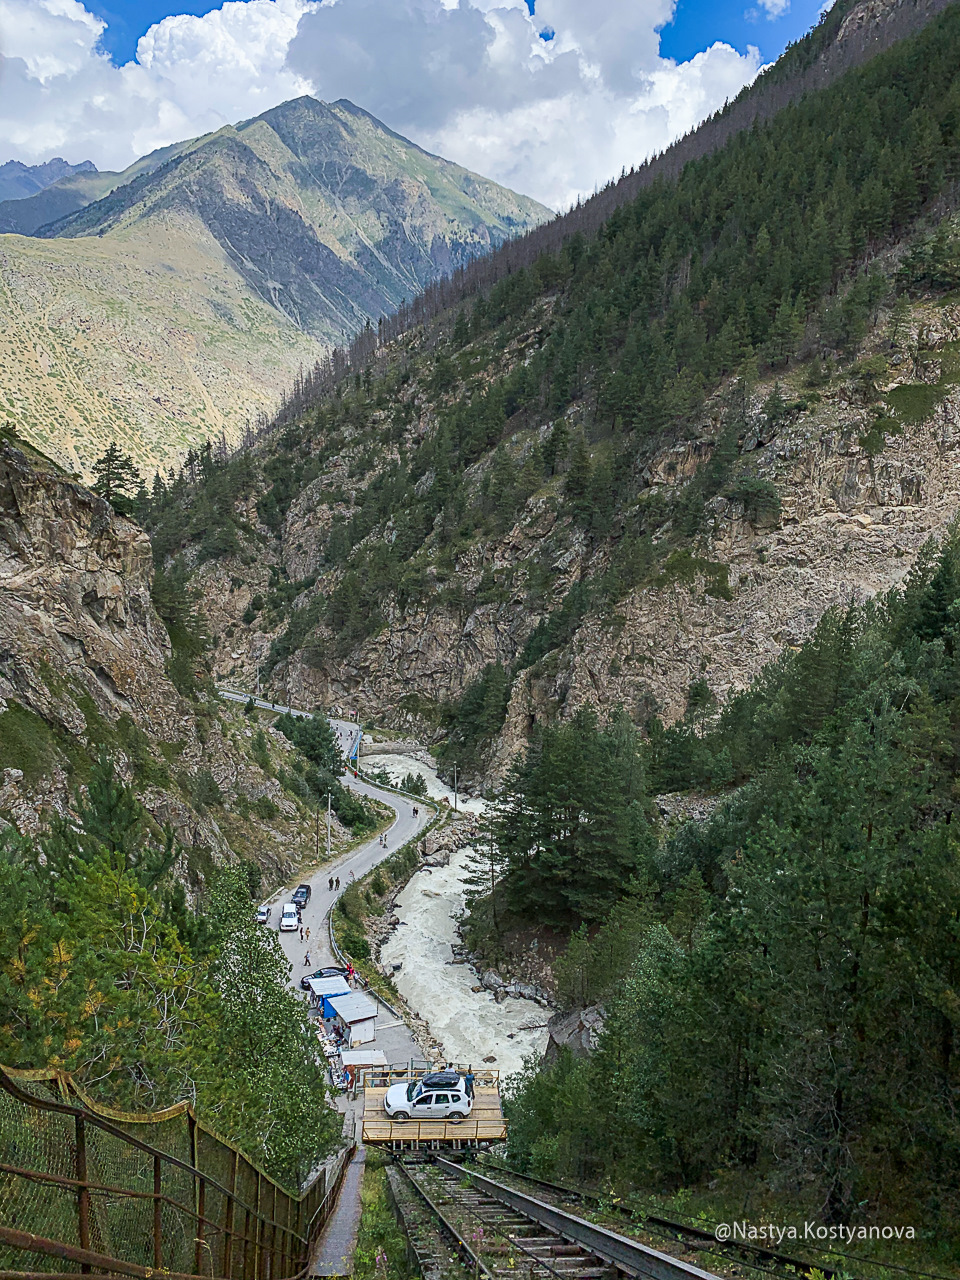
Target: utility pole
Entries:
(317, 834)
(328, 826)
(454, 788)
(258, 679)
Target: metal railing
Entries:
(380, 1077)
(83, 1192)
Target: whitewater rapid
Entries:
(469, 1025)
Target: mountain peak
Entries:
(19, 181)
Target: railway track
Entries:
(503, 1232)
(438, 1254)
(754, 1257)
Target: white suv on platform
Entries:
(290, 918)
(441, 1095)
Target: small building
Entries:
(323, 988)
(357, 1060)
(356, 1015)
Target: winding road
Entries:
(393, 1036)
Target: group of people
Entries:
(333, 883)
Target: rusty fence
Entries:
(86, 1190)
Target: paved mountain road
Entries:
(358, 862)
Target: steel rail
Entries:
(468, 1255)
(628, 1255)
(709, 1242)
(516, 1242)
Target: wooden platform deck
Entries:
(485, 1124)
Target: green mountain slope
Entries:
(176, 308)
(327, 215)
(641, 435)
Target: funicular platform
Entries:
(484, 1125)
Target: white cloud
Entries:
(775, 8)
(473, 80)
(553, 118)
(60, 94)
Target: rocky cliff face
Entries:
(83, 670)
(854, 513)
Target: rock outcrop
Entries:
(853, 514)
(578, 1032)
(83, 659)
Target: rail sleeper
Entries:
(628, 1255)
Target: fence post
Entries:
(270, 1235)
(157, 1218)
(258, 1236)
(227, 1261)
(244, 1270)
(83, 1191)
(199, 1240)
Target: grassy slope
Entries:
(177, 308)
(147, 338)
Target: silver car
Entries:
(263, 914)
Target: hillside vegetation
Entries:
(141, 821)
(586, 433)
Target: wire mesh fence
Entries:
(86, 1189)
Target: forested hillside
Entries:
(493, 523)
(781, 981)
(141, 821)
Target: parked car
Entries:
(417, 1100)
(289, 918)
(329, 971)
(263, 914)
(301, 896)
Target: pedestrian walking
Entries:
(306, 961)
(330, 884)
(301, 933)
(338, 882)
(308, 934)
(468, 1080)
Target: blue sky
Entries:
(697, 24)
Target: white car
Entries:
(289, 918)
(438, 1097)
(263, 914)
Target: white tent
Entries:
(357, 1060)
(357, 1015)
(324, 988)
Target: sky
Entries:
(549, 97)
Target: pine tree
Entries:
(117, 478)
